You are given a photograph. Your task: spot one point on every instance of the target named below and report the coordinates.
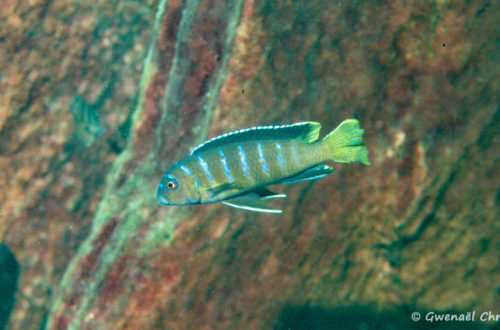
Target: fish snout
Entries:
(160, 195)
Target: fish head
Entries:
(177, 188)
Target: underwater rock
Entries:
(418, 227)
(382, 234)
(51, 184)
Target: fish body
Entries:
(235, 168)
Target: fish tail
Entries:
(345, 143)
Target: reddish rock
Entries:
(414, 231)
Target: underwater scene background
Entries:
(98, 98)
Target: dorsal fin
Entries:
(306, 132)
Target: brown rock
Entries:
(365, 247)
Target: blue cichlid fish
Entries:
(236, 167)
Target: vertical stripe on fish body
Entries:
(246, 161)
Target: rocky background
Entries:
(89, 246)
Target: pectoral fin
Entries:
(310, 174)
(254, 201)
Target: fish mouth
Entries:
(159, 196)
(163, 201)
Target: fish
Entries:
(236, 168)
(87, 125)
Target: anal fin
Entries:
(312, 173)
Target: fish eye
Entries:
(171, 184)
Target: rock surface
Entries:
(417, 230)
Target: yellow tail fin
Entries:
(345, 143)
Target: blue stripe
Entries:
(280, 156)
(227, 171)
(205, 168)
(243, 159)
(261, 157)
(185, 170)
(188, 172)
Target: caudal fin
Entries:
(345, 143)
